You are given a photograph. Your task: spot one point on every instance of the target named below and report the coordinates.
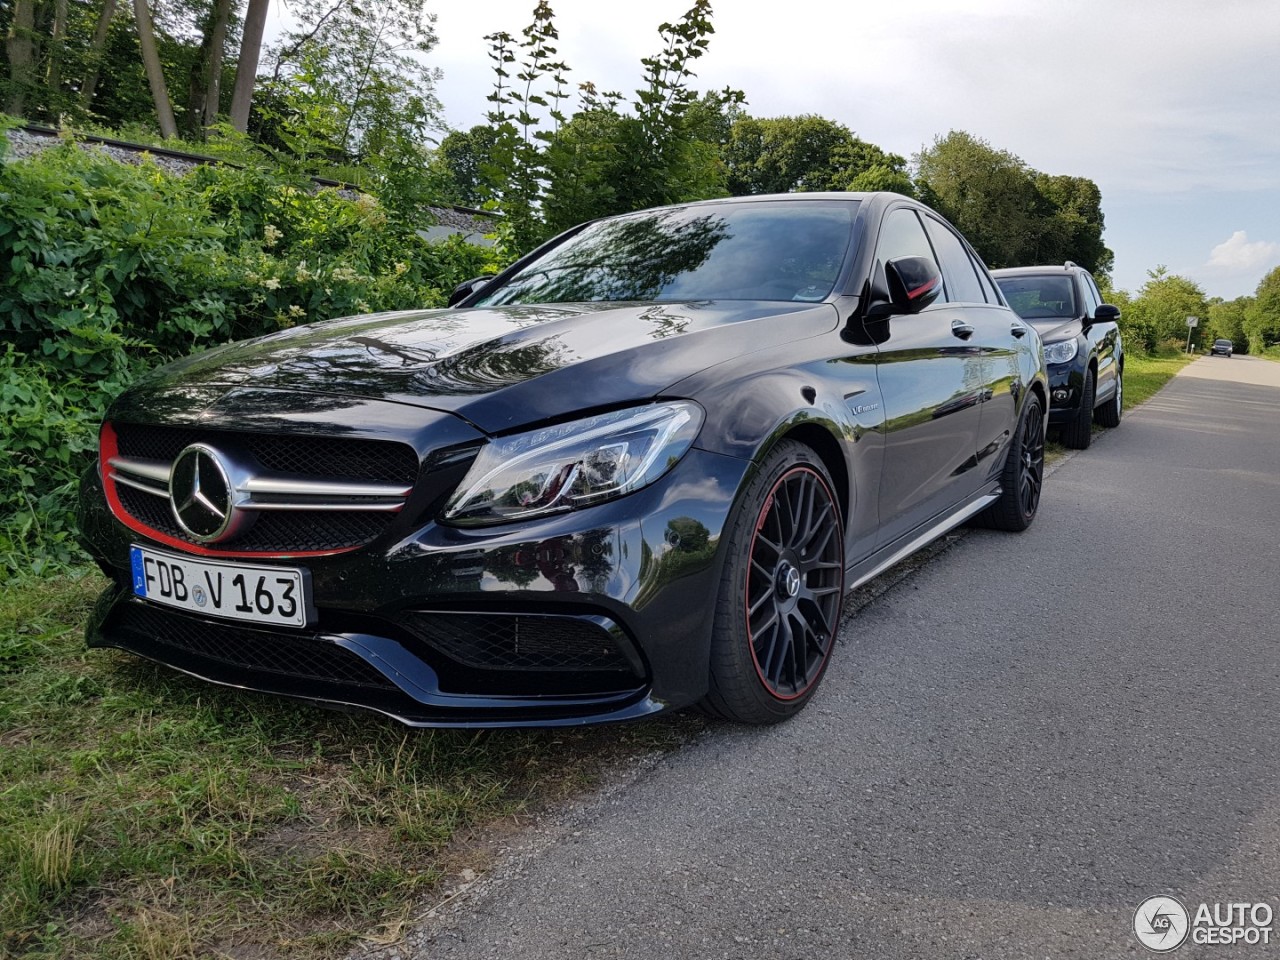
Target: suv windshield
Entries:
(1034, 297)
(737, 251)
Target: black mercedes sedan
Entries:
(638, 470)
(1083, 348)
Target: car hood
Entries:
(498, 367)
(1055, 329)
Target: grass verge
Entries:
(146, 815)
(1144, 374)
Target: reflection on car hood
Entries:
(498, 367)
(1054, 329)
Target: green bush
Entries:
(108, 268)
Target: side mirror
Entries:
(465, 289)
(914, 283)
(1106, 313)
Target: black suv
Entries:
(1082, 346)
(1222, 346)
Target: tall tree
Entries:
(19, 47)
(987, 194)
(255, 22)
(1013, 215)
(1262, 321)
(96, 48)
(155, 71)
(204, 89)
(785, 154)
(1159, 312)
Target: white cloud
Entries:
(1239, 255)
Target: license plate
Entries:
(236, 591)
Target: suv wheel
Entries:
(1078, 434)
(1109, 415)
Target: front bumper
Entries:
(1066, 383)
(597, 615)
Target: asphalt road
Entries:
(1014, 747)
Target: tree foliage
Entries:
(1228, 320)
(1262, 318)
(786, 154)
(1013, 215)
(1160, 310)
(608, 157)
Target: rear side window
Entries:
(958, 270)
(1035, 297)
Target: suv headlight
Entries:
(575, 464)
(1063, 351)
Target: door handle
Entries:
(961, 329)
(1018, 330)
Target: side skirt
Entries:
(909, 543)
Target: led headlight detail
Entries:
(575, 464)
(1062, 352)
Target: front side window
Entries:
(789, 250)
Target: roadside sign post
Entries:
(1191, 325)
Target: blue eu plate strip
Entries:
(139, 575)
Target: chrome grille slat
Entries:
(273, 492)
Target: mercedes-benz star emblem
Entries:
(201, 495)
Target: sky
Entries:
(1171, 106)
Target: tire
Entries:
(1023, 474)
(778, 609)
(1108, 415)
(1078, 434)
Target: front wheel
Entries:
(778, 609)
(1023, 474)
(1078, 432)
(1108, 415)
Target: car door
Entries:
(933, 386)
(997, 331)
(1103, 336)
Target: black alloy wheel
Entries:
(779, 607)
(1109, 414)
(1078, 434)
(1023, 475)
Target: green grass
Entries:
(1270, 353)
(147, 815)
(1144, 374)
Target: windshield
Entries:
(1035, 297)
(785, 250)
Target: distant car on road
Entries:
(1221, 346)
(1082, 345)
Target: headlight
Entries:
(1062, 352)
(573, 464)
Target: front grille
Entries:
(303, 656)
(295, 531)
(296, 457)
(520, 642)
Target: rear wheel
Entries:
(1108, 415)
(778, 609)
(1078, 433)
(1023, 474)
